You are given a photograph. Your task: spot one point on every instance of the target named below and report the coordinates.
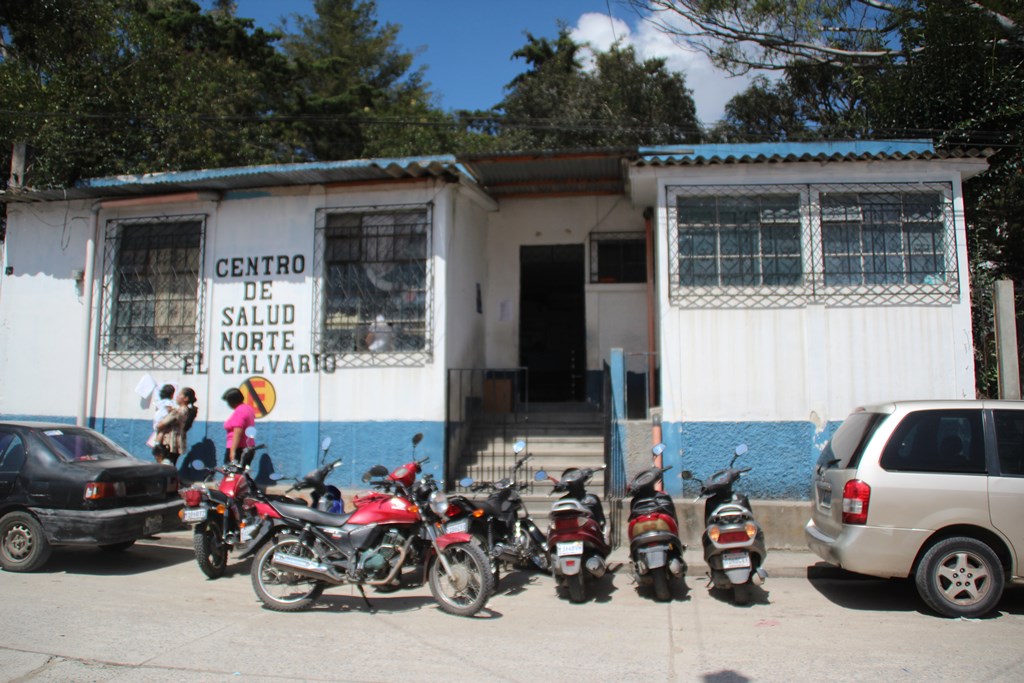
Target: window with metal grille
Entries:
(790, 245)
(739, 240)
(882, 238)
(153, 287)
(618, 257)
(376, 285)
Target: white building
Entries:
(790, 284)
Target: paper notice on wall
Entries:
(145, 386)
(505, 311)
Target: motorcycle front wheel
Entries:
(462, 589)
(279, 589)
(211, 550)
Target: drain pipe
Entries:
(87, 295)
(652, 344)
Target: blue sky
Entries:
(467, 45)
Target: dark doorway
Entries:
(552, 333)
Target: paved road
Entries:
(149, 614)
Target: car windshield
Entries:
(844, 448)
(71, 444)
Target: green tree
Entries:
(356, 93)
(622, 100)
(130, 86)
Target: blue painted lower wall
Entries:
(782, 455)
(293, 448)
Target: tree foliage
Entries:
(121, 86)
(954, 73)
(771, 34)
(558, 102)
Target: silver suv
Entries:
(932, 489)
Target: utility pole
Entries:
(1006, 340)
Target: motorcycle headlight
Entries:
(439, 503)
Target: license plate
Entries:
(153, 525)
(825, 497)
(459, 527)
(570, 548)
(194, 515)
(735, 560)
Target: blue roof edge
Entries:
(786, 149)
(283, 169)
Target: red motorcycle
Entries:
(576, 541)
(391, 530)
(230, 516)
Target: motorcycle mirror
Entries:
(518, 447)
(198, 465)
(466, 482)
(686, 475)
(276, 476)
(416, 439)
(250, 432)
(540, 475)
(741, 449)
(325, 444)
(658, 449)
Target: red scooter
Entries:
(390, 530)
(576, 541)
(654, 546)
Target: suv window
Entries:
(938, 441)
(845, 447)
(1010, 441)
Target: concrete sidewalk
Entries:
(779, 564)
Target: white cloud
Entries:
(711, 87)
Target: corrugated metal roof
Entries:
(501, 175)
(784, 152)
(249, 177)
(553, 172)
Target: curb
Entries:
(782, 564)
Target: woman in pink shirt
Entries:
(242, 417)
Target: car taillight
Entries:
(96, 490)
(856, 496)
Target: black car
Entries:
(67, 485)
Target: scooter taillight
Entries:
(192, 497)
(648, 525)
(567, 523)
(743, 535)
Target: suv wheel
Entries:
(960, 577)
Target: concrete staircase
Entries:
(558, 435)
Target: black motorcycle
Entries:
(501, 523)
(734, 546)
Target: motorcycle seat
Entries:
(660, 502)
(312, 515)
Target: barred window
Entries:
(376, 285)
(153, 287)
(790, 245)
(739, 240)
(618, 257)
(882, 238)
